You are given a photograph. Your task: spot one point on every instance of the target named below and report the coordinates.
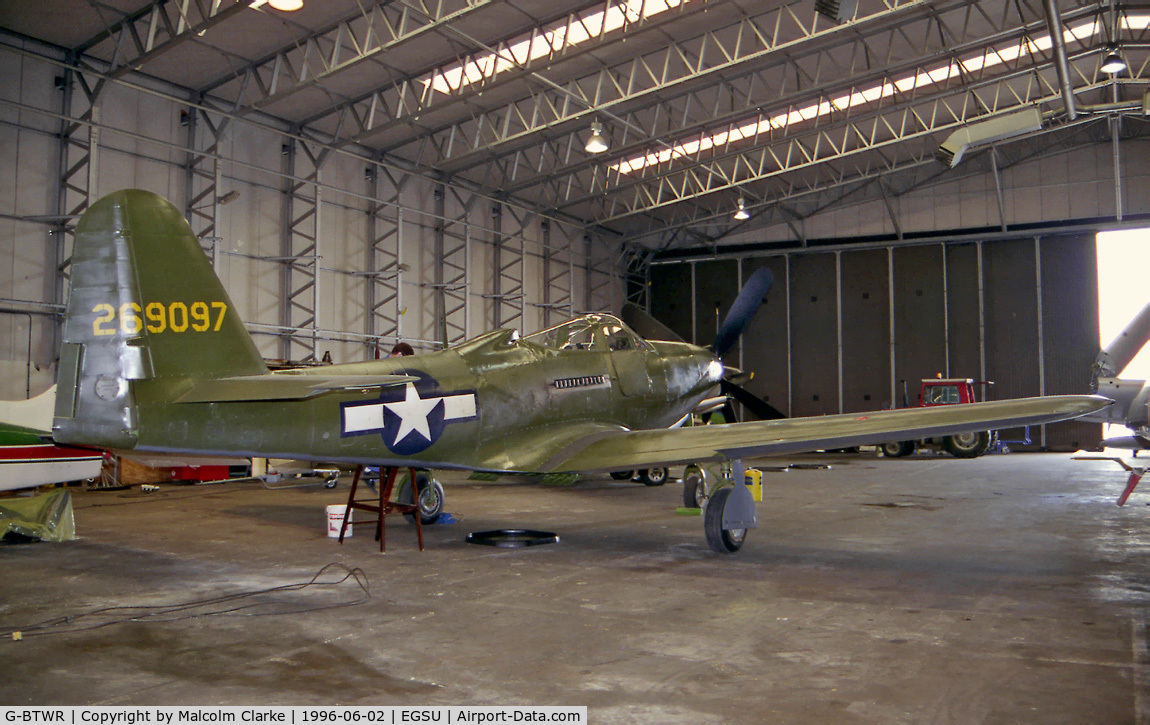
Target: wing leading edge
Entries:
(646, 448)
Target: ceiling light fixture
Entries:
(286, 5)
(1113, 62)
(597, 144)
(742, 214)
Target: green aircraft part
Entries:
(156, 359)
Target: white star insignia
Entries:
(412, 411)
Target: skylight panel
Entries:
(1082, 32)
(546, 41)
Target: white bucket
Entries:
(335, 521)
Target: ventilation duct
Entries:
(987, 132)
(839, 11)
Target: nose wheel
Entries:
(728, 510)
(723, 541)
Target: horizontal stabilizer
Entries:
(283, 386)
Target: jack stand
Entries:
(385, 506)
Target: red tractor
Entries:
(945, 391)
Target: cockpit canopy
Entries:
(590, 332)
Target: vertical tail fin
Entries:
(144, 304)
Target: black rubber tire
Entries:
(430, 497)
(622, 475)
(967, 445)
(694, 490)
(331, 481)
(897, 449)
(721, 541)
(653, 476)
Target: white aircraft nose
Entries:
(714, 370)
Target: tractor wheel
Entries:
(720, 540)
(967, 445)
(622, 475)
(898, 449)
(653, 476)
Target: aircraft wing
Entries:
(280, 386)
(647, 448)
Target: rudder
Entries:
(144, 304)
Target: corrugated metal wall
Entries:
(1029, 322)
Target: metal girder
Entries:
(302, 204)
(404, 100)
(78, 166)
(599, 272)
(156, 28)
(838, 148)
(903, 178)
(366, 35)
(385, 267)
(637, 276)
(700, 60)
(452, 264)
(202, 176)
(558, 272)
(508, 293)
(792, 81)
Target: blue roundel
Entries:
(408, 417)
(412, 422)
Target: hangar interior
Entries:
(923, 177)
(367, 172)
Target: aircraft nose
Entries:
(713, 373)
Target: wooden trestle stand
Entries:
(385, 506)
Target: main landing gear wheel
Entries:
(653, 476)
(332, 480)
(720, 540)
(622, 475)
(430, 497)
(968, 445)
(694, 489)
(898, 449)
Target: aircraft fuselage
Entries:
(465, 404)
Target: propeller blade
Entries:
(647, 326)
(755, 405)
(743, 310)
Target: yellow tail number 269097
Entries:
(157, 317)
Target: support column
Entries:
(454, 274)
(509, 267)
(384, 264)
(558, 274)
(301, 251)
(202, 197)
(78, 166)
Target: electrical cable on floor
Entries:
(176, 612)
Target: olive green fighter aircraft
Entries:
(155, 359)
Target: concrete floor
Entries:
(1004, 589)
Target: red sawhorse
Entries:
(385, 505)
